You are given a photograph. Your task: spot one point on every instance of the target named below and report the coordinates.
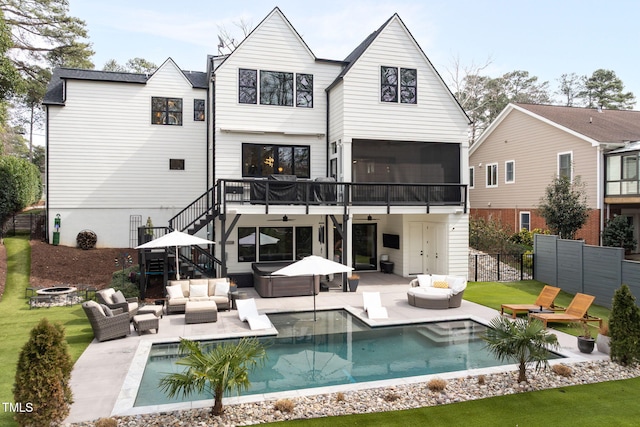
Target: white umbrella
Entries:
(265, 239)
(175, 238)
(316, 266)
(311, 365)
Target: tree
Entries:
(20, 186)
(571, 86)
(564, 207)
(42, 377)
(9, 76)
(225, 367)
(619, 233)
(135, 65)
(604, 89)
(624, 327)
(521, 341)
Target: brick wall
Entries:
(510, 220)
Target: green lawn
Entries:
(612, 403)
(16, 320)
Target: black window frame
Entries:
(304, 90)
(398, 85)
(247, 86)
(279, 90)
(163, 107)
(176, 164)
(300, 167)
(198, 110)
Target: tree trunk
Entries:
(522, 372)
(217, 402)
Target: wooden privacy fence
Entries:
(32, 223)
(500, 267)
(576, 267)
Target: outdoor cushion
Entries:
(91, 303)
(106, 310)
(458, 285)
(118, 298)
(178, 301)
(443, 284)
(213, 284)
(203, 298)
(107, 294)
(196, 291)
(222, 288)
(183, 283)
(175, 291)
(424, 280)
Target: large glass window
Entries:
(304, 242)
(276, 88)
(263, 160)
(247, 86)
(365, 246)
(276, 243)
(304, 90)
(246, 244)
(166, 111)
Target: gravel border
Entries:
(384, 399)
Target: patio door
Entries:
(427, 248)
(365, 244)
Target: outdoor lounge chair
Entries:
(373, 306)
(575, 312)
(544, 301)
(128, 305)
(248, 312)
(106, 327)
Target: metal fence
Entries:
(500, 267)
(34, 224)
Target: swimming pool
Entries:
(336, 349)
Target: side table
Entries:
(386, 267)
(233, 296)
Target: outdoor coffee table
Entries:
(200, 312)
(145, 322)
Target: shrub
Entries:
(562, 370)
(482, 380)
(20, 185)
(490, 237)
(391, 397)
(42, 376)
(624, 327)
(618, 232)
(284, 405)
(120, 281)
(437, 384)
(340, 397)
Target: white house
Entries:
(272, 152)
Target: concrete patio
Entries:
(106, 377)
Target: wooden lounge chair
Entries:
(575, 312)
(544, 300)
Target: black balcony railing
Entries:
(328, 193)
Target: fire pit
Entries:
(57, 290)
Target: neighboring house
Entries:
(528, 145)
(288, 155)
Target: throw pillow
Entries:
(198, 291)
(424, 280)
(175, 291)
(222, 288)
(107, 310)
(440, 284)
(118, 298)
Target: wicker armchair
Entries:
(106, 328)
(105, 296)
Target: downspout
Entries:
(326, 173)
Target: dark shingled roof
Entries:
(604, 126)
(55, 95)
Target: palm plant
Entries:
(225, 367)
(521, 341)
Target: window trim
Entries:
(166, 110)
(276, 160)
(513, 172)
(254, 99)
(176, 164)
(398, 85)
(197, 111)
(520, 219)
(472, 177)
(564, 153)
(487, 184)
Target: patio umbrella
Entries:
(316, 266)
(265, 239)
(175, 238)
(321, 366)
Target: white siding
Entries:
(105, 153)
(435, 118)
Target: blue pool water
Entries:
(339, 349)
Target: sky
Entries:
(547, 38)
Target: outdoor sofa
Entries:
(436, 291)
(181, 291)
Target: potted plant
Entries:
(586, 342)
(603, 338)
(353, 280)
(148, 230)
